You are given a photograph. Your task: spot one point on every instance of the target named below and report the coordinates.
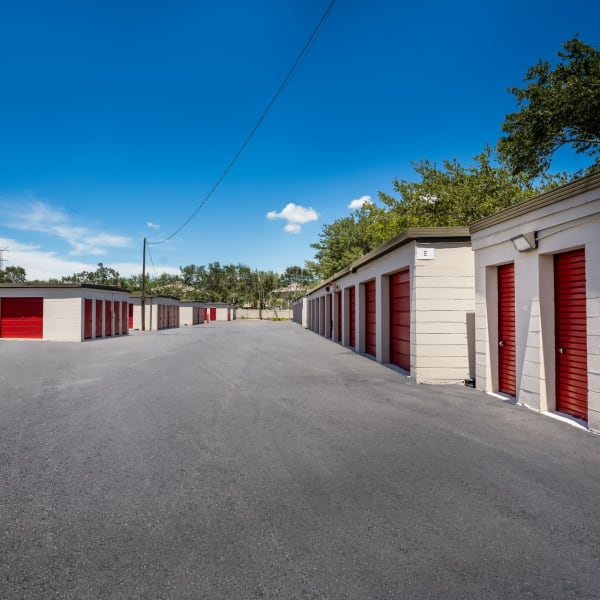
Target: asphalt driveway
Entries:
(257, 460)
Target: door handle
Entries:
(501, 343)
(561, 350)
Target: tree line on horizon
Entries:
(559, 106)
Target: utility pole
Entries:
(259, 300)
(143, 297)
(2, 259)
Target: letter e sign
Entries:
(425, 253)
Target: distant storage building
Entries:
(408, 303)
(161, 312)
(62, 312)
(220, 311)
(190, 313)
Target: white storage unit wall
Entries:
(551, 244)
(190, 313)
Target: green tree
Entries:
(445, 196)
(345, 240)
(456, 195)
(13, 275)
(102, 276)
(559, 106)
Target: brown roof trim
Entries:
(569, 190)
(413, 234)
(92, 286)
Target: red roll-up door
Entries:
(400, 319)
(130, 319)
(571, 334)
(117, 311)
(329, 317)
(124, 318)
(22, 318)
(88, 318)
(98, 318)
(370, 318)
(352, 316)
(507, 362)
(338, 296)
(107, 318)
(213, 313)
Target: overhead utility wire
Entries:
(276, 95)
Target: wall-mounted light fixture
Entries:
(525, 242)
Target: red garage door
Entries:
(352, 316)
(571, 334)
(507, 363)
(22, 318)
(107, 318)
(98, 318)
(117, 311)
(329, 313)
(130, 316)
(88, 318)
(370, 318)
(124, 319)
(400, 319)
(338, 296)
(213, 313)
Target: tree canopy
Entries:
(13, 274)
(443, 196)
(559, 106)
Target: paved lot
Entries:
(257, 460)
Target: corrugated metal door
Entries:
(338, 296)
(88, 318)
(117, 312)
(98, 318)
(107, 318)
(213, 313)
(352, 316)
(22, 318)
(124, 318)
(370, 318)
(400, 319)
(131, 316)
(571, 334)
(329, 313)
(507, 363)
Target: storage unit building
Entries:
(220, 311)
(161, 312)
(62, 312)
(190, 313)
(409, 303)
(538, 301)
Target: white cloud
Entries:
(152, 225)
(360, 202)
(295, 215)
(43, 265)
(41, 218)
(292, 228)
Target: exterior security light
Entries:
(525, 242)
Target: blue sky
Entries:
(117, 118)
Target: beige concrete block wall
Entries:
(186, 315)
(63, 319)
(442, 327)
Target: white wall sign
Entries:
(425, 253)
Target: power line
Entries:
(288, 77)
